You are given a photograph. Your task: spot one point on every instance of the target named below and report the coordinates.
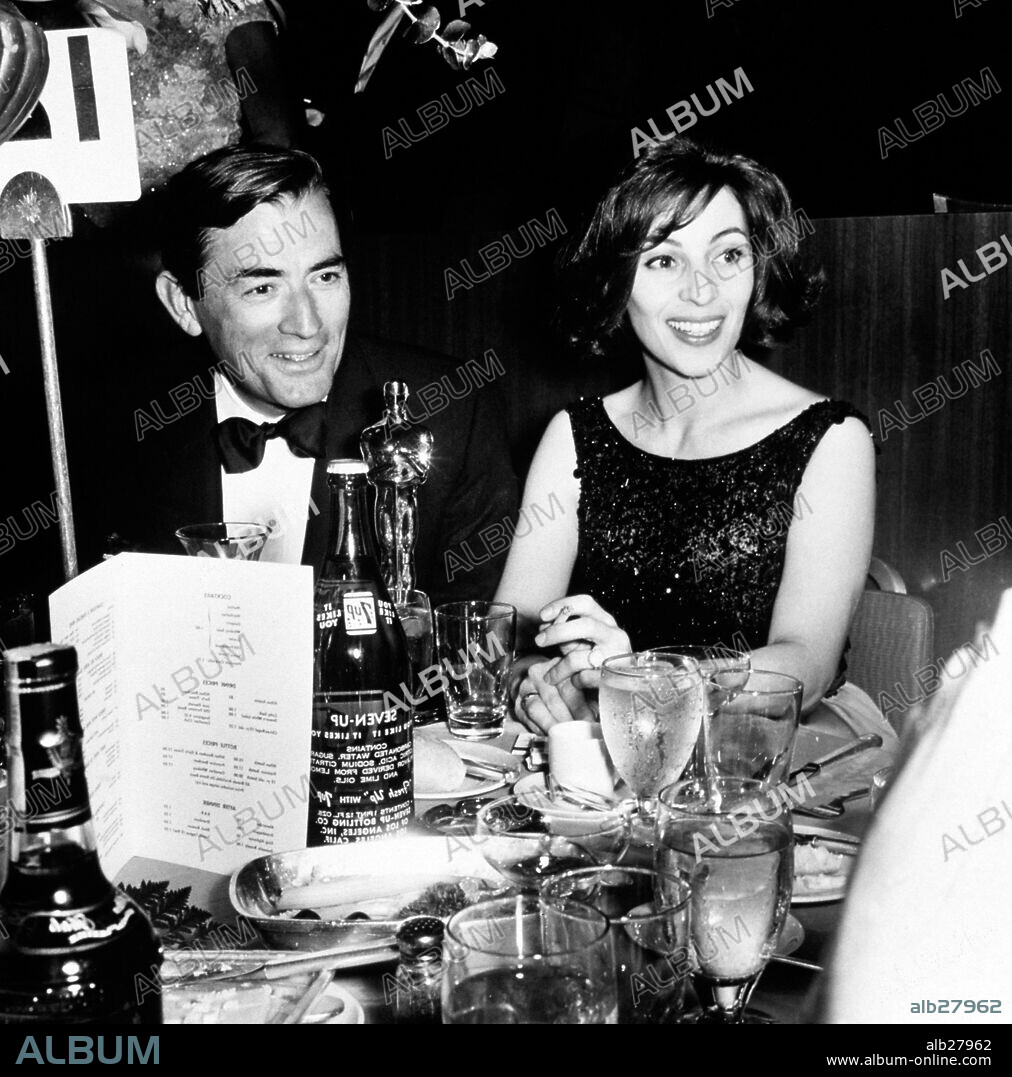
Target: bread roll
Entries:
(438, 768)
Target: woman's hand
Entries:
(540, 705)
(586, 634)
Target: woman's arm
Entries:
(829, 546)
(543, 552)
(271, 113)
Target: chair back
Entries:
(892, 637)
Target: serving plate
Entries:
(403, 865)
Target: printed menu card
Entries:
(195, 689)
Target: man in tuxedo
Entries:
(253, 264)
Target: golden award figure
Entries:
(399, 455)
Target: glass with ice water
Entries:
(651, 713)
(734, 841)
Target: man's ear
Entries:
(178, 303)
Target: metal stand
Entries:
(30, 208)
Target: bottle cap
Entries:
(348, 466)
(40, 662)
(421, 938)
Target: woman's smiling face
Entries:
(692, 290)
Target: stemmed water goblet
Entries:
(651, 705)
(735, 842)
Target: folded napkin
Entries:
(928, 916)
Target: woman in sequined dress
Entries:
(712, 501)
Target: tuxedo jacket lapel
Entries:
(191, 487)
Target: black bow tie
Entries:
(241, 442)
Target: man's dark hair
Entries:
(218, 190)
(674, 181)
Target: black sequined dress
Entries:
(690, 551)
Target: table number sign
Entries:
(81, 135)
(195, 690)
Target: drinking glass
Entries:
(415, 615)
(474, 645)
(530, 837)
(649, 916)
(751, 732)
(651, 712)
(515, 961)
(735, 842)
(734, 667)
(236, 541)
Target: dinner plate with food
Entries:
(823, 861)
(447, 768)
(350, 899)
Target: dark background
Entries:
(577, 77)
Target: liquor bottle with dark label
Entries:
(73, 948)
(362, 710)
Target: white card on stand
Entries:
(91, 152)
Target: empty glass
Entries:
(517, 961)
(415, 615)
(734, 667)
(649, 916)
(474, 644)
(751, 731)
(236, 541)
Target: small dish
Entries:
(474, 787)
(831, 891)
(322, 1012)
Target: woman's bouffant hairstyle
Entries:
(674, 181)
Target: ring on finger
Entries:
(526, 696)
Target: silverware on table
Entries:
(797, 962)
(833, 809)
(845, 846)
(861, 744)
(479, 769)
(315, 961)
(312, 993)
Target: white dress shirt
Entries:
(277, 493)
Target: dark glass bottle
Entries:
(362, 714)
(73, 948)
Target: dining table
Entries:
(784, 993)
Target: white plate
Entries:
(473, 787)
(834, 893)
(322, 1011)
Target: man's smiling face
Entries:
(283, 320)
